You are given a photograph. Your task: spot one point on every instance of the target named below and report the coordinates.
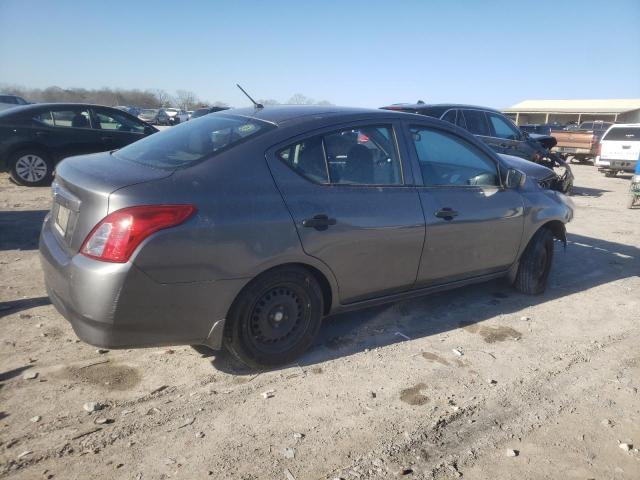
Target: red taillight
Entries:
(362, 138)
(598, 149)
(118, 234)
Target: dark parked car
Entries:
(155, 116)
(541, 128)
(11, 101)
(245, 228)
(135, 111)
(33, 138)
(499, 132)
(200, 112)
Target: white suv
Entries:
(619, 149)
(176, 115)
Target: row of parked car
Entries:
(168, 116)
(33, 138)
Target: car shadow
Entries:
(587, 192)
(9, 374)
(586, 263)
(14, 306)
(21, 229)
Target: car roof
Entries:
(37, 106)
(419, 106)
(291, 114)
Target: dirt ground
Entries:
(546, 387)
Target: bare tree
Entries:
(164, 99)
(300, 99)
(268, 101)
(186, 99)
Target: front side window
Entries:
(447, 160)
(477, 122)
(502, 128)
(107, 120)
(354, 156)
(71, 118)
(43, 119)
(190, 142)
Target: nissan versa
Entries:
(244, 228)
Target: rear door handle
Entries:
(319, 222)
(447, 213)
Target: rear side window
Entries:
(450, 117)
(190, 142)
(64, 118)
(355, 156)
(623, 134)
(476, 122)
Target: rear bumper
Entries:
(118, 306)
(616, 165)
(574, 151)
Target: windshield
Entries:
(148, 112)
(191, 142)
(171, 110)
(626, 134)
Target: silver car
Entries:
(244, 228)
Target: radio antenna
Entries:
(256, 104)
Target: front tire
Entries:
(535, 264)
(275, 318)
(31, 168)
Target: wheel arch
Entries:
(559, 230)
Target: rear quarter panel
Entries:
(241, 228)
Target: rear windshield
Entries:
(623, 134)
(190, 142)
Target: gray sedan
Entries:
(244, 228)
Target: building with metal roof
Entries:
(566, 111)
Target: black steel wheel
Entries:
(535, 263)
(275, 318)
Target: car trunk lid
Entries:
(81, 193)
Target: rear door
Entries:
(354, 207)
(474, 226)
(621, 143)
(66, 131)
(117, 129)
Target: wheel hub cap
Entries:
(276, 316)
(31, 168)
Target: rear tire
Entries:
(31, 168)
(275, 318)
(535, 264)
(610, 173)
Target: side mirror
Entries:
(515, 178)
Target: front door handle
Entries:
(107, 138)
(319, 222)
(447, 213)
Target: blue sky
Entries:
(361, 53)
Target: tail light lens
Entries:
(598, 149)
(116, 237)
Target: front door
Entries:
(352, 208)
(117, 129)
(474, 225)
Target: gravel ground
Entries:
(545, 387)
